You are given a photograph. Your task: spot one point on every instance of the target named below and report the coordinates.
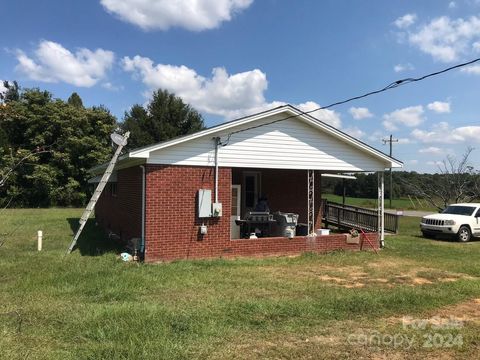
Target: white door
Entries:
(235, 213)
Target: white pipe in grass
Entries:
(39, 240)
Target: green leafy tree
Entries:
(166, 116)
(75, 100)
(51, 144)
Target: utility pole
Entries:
(391, 140)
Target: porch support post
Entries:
(311, 201)
(381, 208)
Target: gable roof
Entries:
(140, 155)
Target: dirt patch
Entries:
(381, 272)
(420, 281)
(468, 311)
(464, 312)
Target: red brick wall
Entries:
(287, 192)
(297, 245)
(172, 224)
(122, 214)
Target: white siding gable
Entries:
(289, 144)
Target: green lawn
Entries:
(403, 203)
(90, 305)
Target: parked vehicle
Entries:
(460, 221)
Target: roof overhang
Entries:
(140, 156)
(123, 162)
(340, 176)
(96, 179)
(291, 112)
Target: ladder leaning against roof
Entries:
(121, 141)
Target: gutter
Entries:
(142, 241)
(217, 144)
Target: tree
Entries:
(74, 139)
(12, 92)
(75, 100)
(165, 117)
(456, 182)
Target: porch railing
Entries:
(348, 216)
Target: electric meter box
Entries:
(204, 203)
(217, 209)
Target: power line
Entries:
(390, 86)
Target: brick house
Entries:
(156, 193)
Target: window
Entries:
(478, 213)
(459, 210)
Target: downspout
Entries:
(217, 143)
(142, 243)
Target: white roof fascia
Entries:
(339, 176)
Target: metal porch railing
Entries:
(347, 216)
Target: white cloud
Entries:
(327, 116)
(109, 86)
(472, 69)
(354, 132)
(443, 133)
(409, 116)
(53, 63)
(439, 107)
(412, 162)
(3, 89)
(403, 67)
(452, 5)
(432, 150)
(222, 94)
(228, 95)
(446, 39)
(195, 15)
(405, 21)
(359, 113)
(434, 163)
(376, 136)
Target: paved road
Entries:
(411, 212)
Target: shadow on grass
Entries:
(93, 241)
(446, 239)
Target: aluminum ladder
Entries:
(121, 141)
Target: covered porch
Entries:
(294, 195)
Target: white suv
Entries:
(458, 220)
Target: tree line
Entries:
(47, 145)
(455, 181)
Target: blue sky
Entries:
(230, 58)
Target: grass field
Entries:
(90, 305)
(403, 203)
